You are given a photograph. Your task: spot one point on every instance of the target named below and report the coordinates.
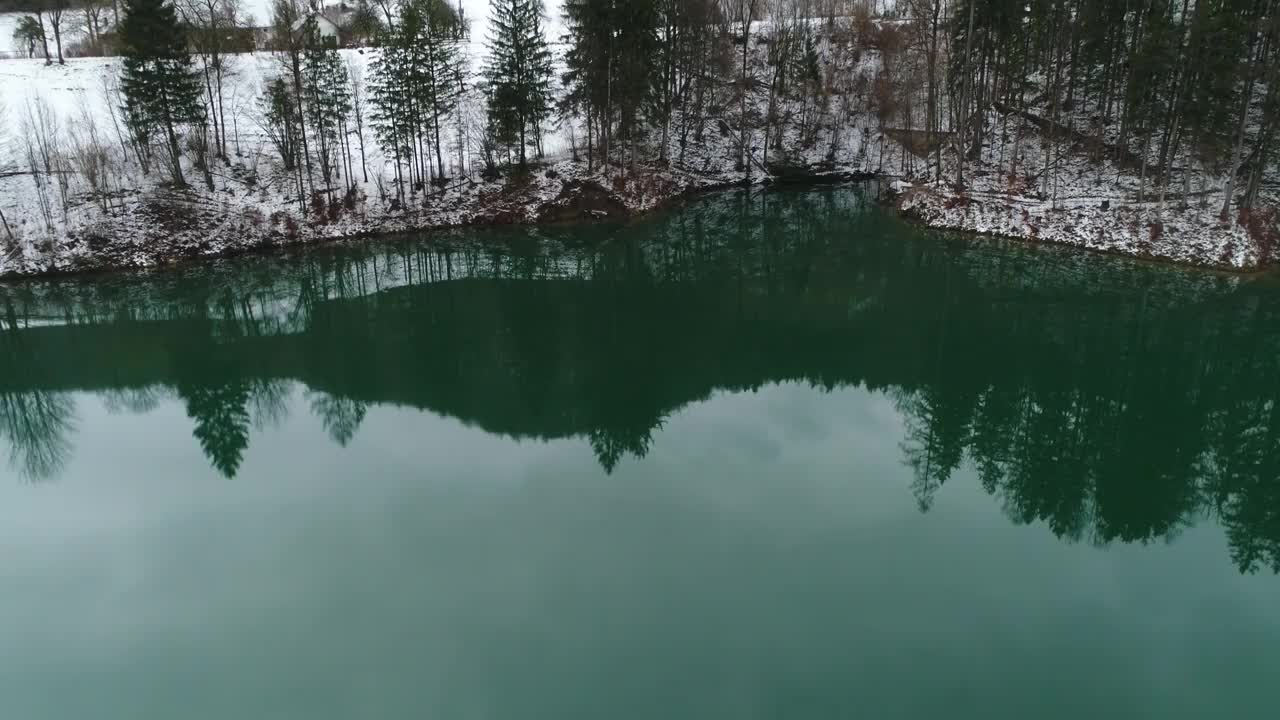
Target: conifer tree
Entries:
(414, 87)
(588, 62)
(438, 86)
(161, 89)
(519, 71)
(287, 17)
(328, 100)
(221, 417)
(389, 96)
(613, 52)
(280, 115)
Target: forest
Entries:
(1153, 118)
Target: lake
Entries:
(774, 454)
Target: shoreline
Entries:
(580, 199)
(584, 198)
(1008, 218)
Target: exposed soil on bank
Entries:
(175, 228)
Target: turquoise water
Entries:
(771, 455)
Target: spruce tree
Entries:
(221, 418)
(519, 71)
(588, 62)
(638, 48)
(612, 59)
(438, 87)
(414, 86)
(389, 97)
(161, 89)
(328, 100)
(286, 15)
(280, 111)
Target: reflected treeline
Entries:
(1107, 399)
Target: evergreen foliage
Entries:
(518, 73)
(327, 100)
(161, 90)
(612, 63)
(414, 86)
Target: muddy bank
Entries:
(168, 229)
(171, 228)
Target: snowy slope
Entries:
(254, 204)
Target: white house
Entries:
(326, 21)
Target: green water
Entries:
(769, 456)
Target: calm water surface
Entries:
(771, 456)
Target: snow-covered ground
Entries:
(1064, 196)
(254, 205)
(1184, 236)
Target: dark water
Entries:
(770, 456)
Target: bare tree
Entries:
(4, 140)
(38, 425)
(212, 22)
(387, 7)
(286, 17)
(92, 18)
(355, 76)
(744, 12)
(930, 36)
(58, 19)
(129, 140)
(40, 137)
(965, 98)
(91, 156)
(1251, 73)
(240, 102)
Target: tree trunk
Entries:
(964, 98)
(591, 155)
(435, 122)
(178, 178)
(667, 71)
(745, 150)
(524, 163)
(1234, 168)
(5, 222)
(44, 38)
(222, 106)
(933, 124)
(57, 40)
(208, 86)
(364, 166)
(296, 67)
